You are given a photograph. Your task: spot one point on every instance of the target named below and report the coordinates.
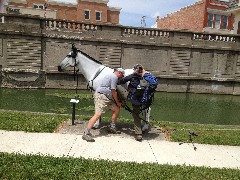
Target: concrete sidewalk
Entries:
(121, 147)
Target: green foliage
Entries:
(45, 167)
(207, 134)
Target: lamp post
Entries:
(143, 22)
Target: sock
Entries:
(87, 131)
(112, 124)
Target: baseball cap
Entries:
(138, 68)
(120, 70)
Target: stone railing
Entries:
(214, 37)
(129, 31)
(55, 24)
(64, 25)
(145, 32)
(118, 32)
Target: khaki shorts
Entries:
(102, 103)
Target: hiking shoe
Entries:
(113, 130)
(138, 137)
(88, 137)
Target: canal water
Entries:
(174, 107)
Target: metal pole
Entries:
(73, 114)
(73, 101)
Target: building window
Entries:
(218, 21)
(224, 22)
(38, 6)
(98, 16)
(87, 14)
(210, 20)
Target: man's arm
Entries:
(125, 79)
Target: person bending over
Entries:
(105, 98)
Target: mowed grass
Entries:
(17, 166)
(44, 167)
(30, 122)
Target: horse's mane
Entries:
(89, 57)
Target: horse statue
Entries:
(94, 71)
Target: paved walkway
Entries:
(121, 147)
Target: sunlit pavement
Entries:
(120, 147)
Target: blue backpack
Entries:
(148, 94)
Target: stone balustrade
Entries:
(52, 24)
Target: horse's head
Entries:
(69, 60)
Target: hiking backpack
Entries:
(148, 94)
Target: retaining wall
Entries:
(31, 48)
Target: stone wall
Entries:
(31, 48)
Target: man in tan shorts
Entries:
(105, 98)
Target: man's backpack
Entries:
(148, 94)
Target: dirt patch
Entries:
(126, 130)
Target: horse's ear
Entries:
(74, 49)
(73, 46)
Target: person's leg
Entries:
(87, 134)
(137, 122)
(115, 114)
(99, 109)
(93, 119)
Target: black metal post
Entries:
(73, 113)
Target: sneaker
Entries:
(113, 130)
(138, 137)
(88, 137)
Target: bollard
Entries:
(73, 101)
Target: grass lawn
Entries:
(40, 167)
(16, 166)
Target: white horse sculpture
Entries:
(94, 72)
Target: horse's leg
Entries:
(97, 123)
(147, 119)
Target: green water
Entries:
(174, 107)
(41, 100)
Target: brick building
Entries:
(202, 16)
(93, 11)
(234, 8)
